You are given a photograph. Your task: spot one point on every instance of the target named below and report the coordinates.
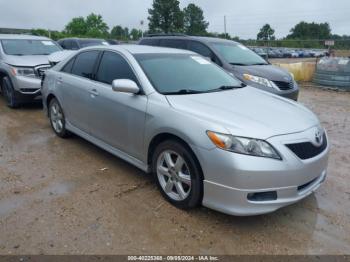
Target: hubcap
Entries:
(56, 117)
(174, 175)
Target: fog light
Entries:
(262, 196)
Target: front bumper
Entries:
(291, 93)
(27, 88)
(230, 178)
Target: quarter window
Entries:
(200, 49)
(84, 64)
(68, 67)
(113, 66)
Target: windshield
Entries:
(238, 54)
(29, 47)
(92, 42)
(175, 73)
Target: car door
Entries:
(117, 118)
(75, 87)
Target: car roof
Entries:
(205, 39)
(141, 49)
(86, 39)
(22, 37)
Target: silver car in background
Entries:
(207, 138)
(23, 60)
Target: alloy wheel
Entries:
(174, 175)
(56, 117)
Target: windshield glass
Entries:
(172, 73)
(92, 42)
(238, 54)
(29, 47)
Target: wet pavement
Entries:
(69, 197)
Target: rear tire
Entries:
(177, 174)
(9, 93)
(57, 119)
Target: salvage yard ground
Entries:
(69, 197)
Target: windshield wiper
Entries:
(239, 64)
(259, 64)
(224, 88)
(184, 92)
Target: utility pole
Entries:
(141, 23)
(225, 26)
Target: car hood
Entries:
(270, 72)
(59, 56)
(29, 60)
(247, 112)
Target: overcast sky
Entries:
(244, 17)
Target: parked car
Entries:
(206, 138)
(23, 60)
(78, 43)
(113, 42)
(237, 59)
(261, 52)
(294, 54)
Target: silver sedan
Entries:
(206, 137)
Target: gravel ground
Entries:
(69, 197)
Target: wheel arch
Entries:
(48, 99)
(3, 74)
(166, 136)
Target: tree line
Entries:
(166, 16)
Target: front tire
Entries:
(9, 94)
(57, 119)
(178, 175)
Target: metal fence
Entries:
(316, 43)
(333, 71)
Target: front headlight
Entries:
(260, 80)
(23, 71)
(243, 145)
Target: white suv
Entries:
(23, 59)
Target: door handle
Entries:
(93, 92)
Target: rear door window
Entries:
(149, 41)
(74, 45)
(114, 66)
(85, 63)
(173, 43)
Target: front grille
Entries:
(284, 85)
(308, 150)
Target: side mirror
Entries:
(125, 86)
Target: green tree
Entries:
(91, 26)
(96, 27)
(194, 23)
(305, 30)
(119, 32)
(135, 34)
(266, 33)
(165, 16)
(76, 27)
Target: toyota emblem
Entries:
(318, 138)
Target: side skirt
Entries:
(139, 164)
